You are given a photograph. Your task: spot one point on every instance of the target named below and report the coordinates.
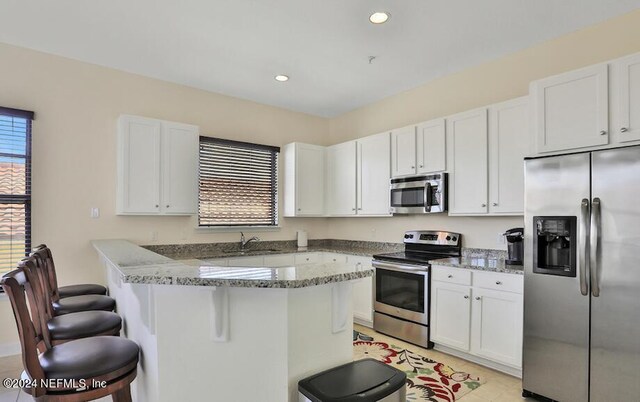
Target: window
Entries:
(238, 184)
(15, 186)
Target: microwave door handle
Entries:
(427, 197)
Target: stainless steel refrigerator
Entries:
(582, 276)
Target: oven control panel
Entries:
(432, 237)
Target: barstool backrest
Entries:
(44, 259)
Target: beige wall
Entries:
(498, 80)
(77, 104)
(74, 153)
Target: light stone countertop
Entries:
(482, 263)
(139, 265)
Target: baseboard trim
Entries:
(10, 349)
(479, 360)
(364, 323)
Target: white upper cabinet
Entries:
(157, 167)
(373, 170)
(304, 181)
(430, 146)
(627, 94)
(358, 177)
(403, 151)
(341, 179)
(180, 147)
(572, 109)
(509, 143)
(467, 156)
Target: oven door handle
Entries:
(414, 269)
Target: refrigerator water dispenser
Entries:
(554, 245)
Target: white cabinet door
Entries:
(508, 145)
(341, 179)
(362, 293)
(374, 164)
(627, 91)
(334, 257)
(450, 315)
(253, 261)
(572, 109)
(138, 165)
(307, 258)
(279, 260)
(180, 144)
(304, 179)
(468, 181)
(497, 326)
(403, 151)
(430, 146)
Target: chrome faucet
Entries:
(243, 242)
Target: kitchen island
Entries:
(229, 333)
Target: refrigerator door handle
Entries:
(583, 257)
(594, 244)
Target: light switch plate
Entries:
(95, 212)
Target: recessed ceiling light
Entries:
(282, 78)
(379, 17)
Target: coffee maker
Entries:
(515, 244)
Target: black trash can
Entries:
(366, 380)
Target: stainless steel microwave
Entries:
(419, 194)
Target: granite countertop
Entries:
(232, 249)
(139, 265)
(487, 262)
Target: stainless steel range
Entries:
(402, 284)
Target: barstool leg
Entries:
(122, 395)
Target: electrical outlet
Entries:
(500, 239)
(95, 212)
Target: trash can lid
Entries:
(364, 380)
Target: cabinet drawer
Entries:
(279, 260)
(460, 276)
(334, 257)
(307, 258)
(497, 281)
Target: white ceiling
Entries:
(236, 47)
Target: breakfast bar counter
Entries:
(209, 332)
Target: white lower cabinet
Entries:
(496, 326)
(450, 314)
(481, 318)
(362, 293)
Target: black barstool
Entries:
(106, 360)
(71, 304)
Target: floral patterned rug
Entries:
(427, 380)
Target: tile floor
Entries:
(498, 388)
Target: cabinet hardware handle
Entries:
(157, 206)
(359, 209)
(421, 166)
(299, 209)
(495, 204)
(477, 297)
(449, 276)
(603, 132)
(167, 205)
(353, 209)
(498, 283)
(484, 205)
(466, 296)
(624, 129)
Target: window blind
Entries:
(15, 186)
(238, 183)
